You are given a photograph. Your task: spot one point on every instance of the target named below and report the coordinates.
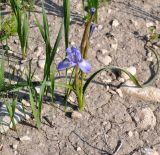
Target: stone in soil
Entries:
(144, 118)
(149, 151)
(104, 59)
(76, 115)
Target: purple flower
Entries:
(92, 11)
(92, 29)
(74, 58)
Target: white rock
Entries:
(38, 89)
(41, 63)
(134, 22)
(150, 59)
(79, 149)
(100, 27)
(10, 52)
(25, 103)
(112, 92)
(1, 147)
(131, 69)
(98, 45)
(115, 23)
(105, 59)
(17, 67)
(146, 119)
(130, 134)
(149, 54)
(114, 46)
(25, 138)
(69, 71)
(15, 146)
(72, 43)
(157, 22)
(122, 80)
(119, 91)
(76, 115)
(109, 11)
(104, 51)
(149, 24)
(149, 151)
(107, 80)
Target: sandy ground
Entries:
(109, 120)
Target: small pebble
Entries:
(149, 151)
(100, 27)
(122, 80)
(41, 63)
(130, 133)
(119, 91)
(10, 52)
(115, 23)
(38, 89)
(109, 11)
(150, 59)
(76, 115)
(105, 59)
(15, 146)
(149, 54)
(25, 138)
(112, 92)
(149, 24)
(104, 51)
(134, 22)
(114, 46)
(25, 103)
(79, 149)
(1, 147)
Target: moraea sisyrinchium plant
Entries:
(73, 59)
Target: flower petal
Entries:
(74, 56)
(68, 50)
(92, 11)
(84, 66)
(64, 64)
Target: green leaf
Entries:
(40, 28)
(41, 99)
(112, 68)
(66, 6)
(11, 106)
(52, 77)
(34, 109)
(2, 72)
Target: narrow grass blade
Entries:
(11, 106)
(34, 109)
(52, 78)
(112, 68)
(66, 6)
(41, 99)
(2, 72)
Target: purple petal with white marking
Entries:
(84, 66)
(64, 64)
(68, 50)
